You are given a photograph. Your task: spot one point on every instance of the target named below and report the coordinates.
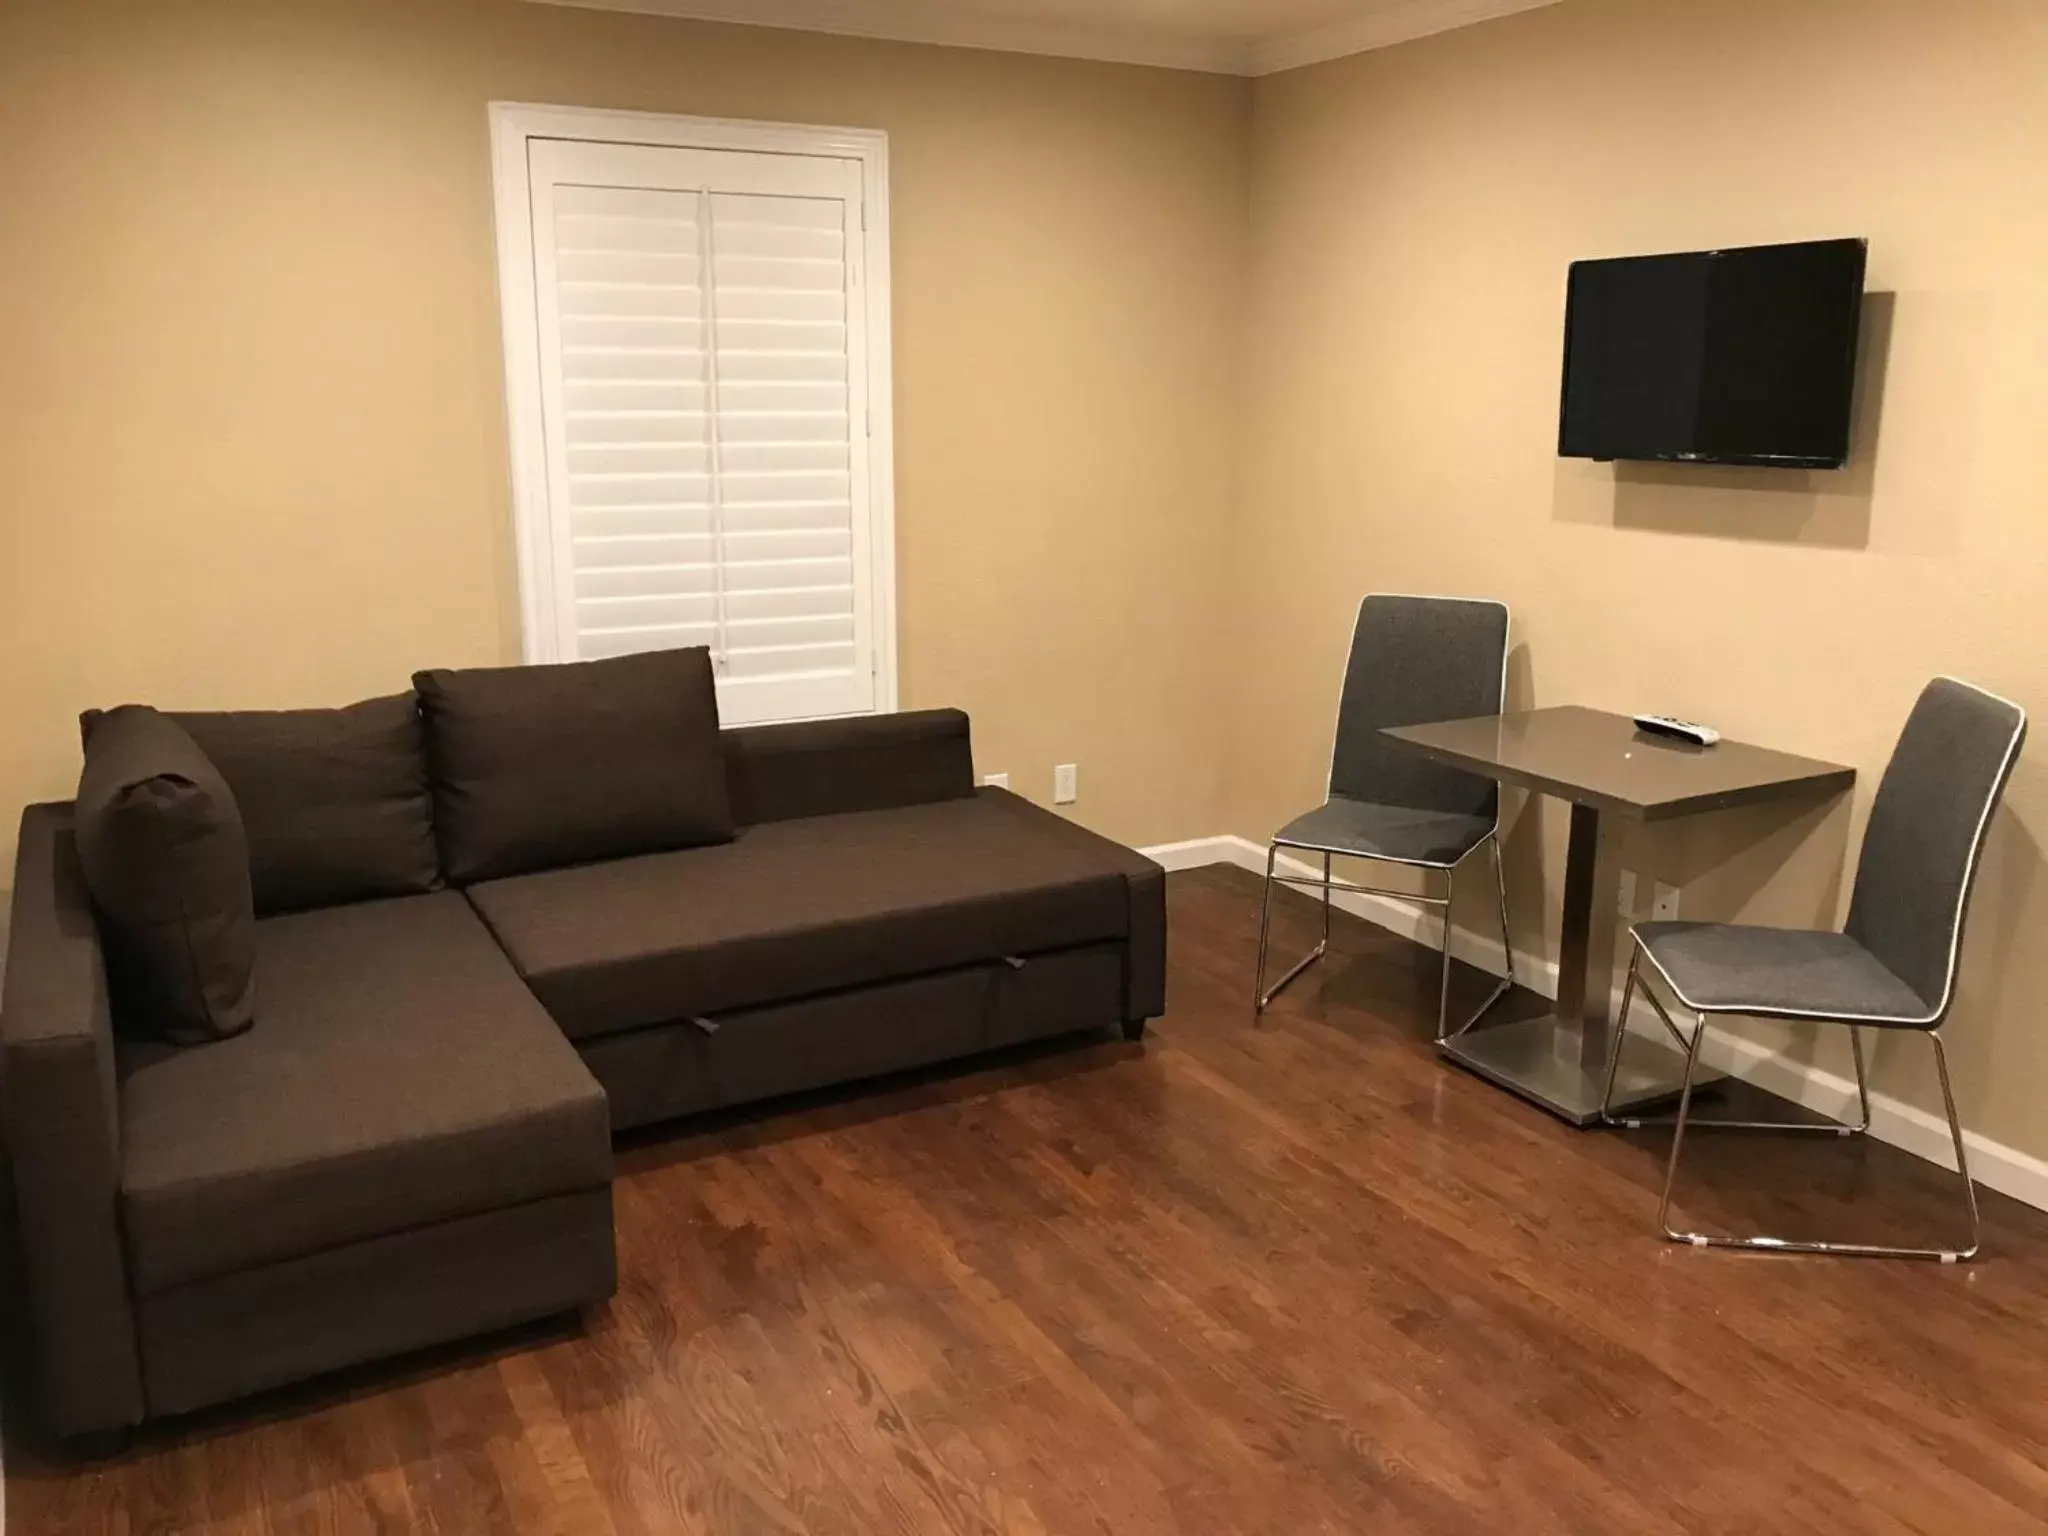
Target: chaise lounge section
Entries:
(412, 1142)
(404, 1150)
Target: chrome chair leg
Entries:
(1265, 935)
(1692, 1056)
(1444, 1033)
(1637, 1122)
(1262, 995)
(1628, 996)
(1443, 990)
(1955, 1131)
(1790, 1245)
(1500, 886)
(1862, 1078)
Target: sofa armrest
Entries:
(865, 763)
(1145, 946)
(1145, 959)
(60, 1114)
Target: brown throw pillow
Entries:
(334, 801)
(535, 767)
(164, 854)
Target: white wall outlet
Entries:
(996, 780)
(1665, 910)
(1066, 784)
(1626, 902)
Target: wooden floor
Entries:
(1296, 1279)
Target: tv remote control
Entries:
(1682, 730)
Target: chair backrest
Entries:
(1415, 660)
(1926, 828)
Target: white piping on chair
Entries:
(1955, 938)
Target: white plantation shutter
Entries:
(703, 389)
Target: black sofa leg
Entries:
(1134, 1029)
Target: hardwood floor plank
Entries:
(862, 1467)
(1300, 1277)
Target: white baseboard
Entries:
(1993, 1164)
(1201, 852)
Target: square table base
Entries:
(1545, 1061)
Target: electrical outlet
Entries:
(1666, 908)
(1626, 904)
(996, 780)
(1066, 788)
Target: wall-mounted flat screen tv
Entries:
(1743, 356)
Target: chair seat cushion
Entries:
(797, 907)
(401, 1076)
(1778, 972)
(1360, 827)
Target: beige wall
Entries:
(1414, 214)
(251, 413)
(252, 449)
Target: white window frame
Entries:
(513, 125)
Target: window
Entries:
(697, 370)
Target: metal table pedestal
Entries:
(1559, 1059)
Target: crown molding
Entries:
(1401, 23)
(945, 24)
(935, 21)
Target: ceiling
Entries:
(1234, 37)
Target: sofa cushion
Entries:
(402, 1076)
(164, 853)
(334, 800)
(797, 907)
(535, 767)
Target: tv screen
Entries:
(1714, 357)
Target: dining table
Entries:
(1610, 771)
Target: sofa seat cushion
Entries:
(797, 907)
(402, 1075)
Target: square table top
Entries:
(1595, 758)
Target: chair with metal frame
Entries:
(1894, 965)
(1414, 660)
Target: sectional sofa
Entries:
(480, 942)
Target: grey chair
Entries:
(1414, 660)
(1894, 966)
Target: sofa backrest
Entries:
(865, 763)
(540, 766)
(334, 801)
(338, 803)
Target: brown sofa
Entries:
(413, 1141)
